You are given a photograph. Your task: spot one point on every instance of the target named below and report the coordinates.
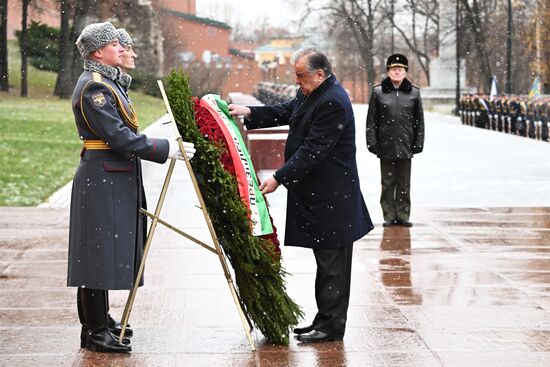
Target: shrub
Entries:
(43, 46)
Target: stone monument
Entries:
(441, 94)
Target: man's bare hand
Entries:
(238, 110)
(269, 185)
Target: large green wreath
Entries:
(258, 272)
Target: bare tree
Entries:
(4, 80)
(360, 17)
(79, 11)
(63, 82)
(421, 34)
(24, 48)
(477, 15)
(205, 78)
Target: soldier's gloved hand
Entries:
(175, 152)
(189, 149)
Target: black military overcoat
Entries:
(106, 230)
(395, 121)
(325, 207)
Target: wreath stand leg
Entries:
(217, 249)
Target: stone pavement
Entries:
(468, 285)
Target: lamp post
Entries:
(509, 50)
(457, 97)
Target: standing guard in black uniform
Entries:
(493, 114)
(107, 232)
(475, 111)
(498, 109)
(484, 111)
(522, 117)
(531, 118)
(514, 111)
(508, 118)
(544, 119)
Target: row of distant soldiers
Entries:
(272, 93)
(511, 114)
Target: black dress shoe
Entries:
(389, 223)
(403, 223)
(103, 340)
(116, 328)
(84, 338)
(318, 337)
(303, 330)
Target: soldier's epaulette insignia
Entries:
(96, 77)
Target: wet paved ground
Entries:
(466, 286)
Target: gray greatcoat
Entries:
(106, 230)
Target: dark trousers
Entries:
(396, 189)
(332, 288)
(93, 308)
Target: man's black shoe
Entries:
(403, 223)
(103, 340)
(116, 328)
(303, 330)
(389, 223)
(318, 337)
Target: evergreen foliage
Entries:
(43, 46)
(259, 275)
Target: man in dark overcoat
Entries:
(107, 231)
(325, 207)
(395, 132)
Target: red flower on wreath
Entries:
(209, 128)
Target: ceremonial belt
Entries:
(96, 145)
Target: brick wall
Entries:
(184, 6)
(183, 35)
(43, 11)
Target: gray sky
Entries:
(244, 12)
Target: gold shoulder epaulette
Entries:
(96, 77)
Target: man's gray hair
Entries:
(315, 60)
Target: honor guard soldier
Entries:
(521, 127)
(107, 231)
(128, 58)
(461, 108)
(514, 111)
(475, 111)
(544, 120)
(499, 118)
(484, 111)
(530, 122)
(506, 114)
(493, 114)
(469, 109)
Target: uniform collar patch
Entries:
(99, 99)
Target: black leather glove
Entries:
(373, 149)
(417, 149)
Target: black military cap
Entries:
(397, 60)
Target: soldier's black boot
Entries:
(94, 312)
(116, 328)
(103, 340)
(84, 338)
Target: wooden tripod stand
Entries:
(217, 249)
